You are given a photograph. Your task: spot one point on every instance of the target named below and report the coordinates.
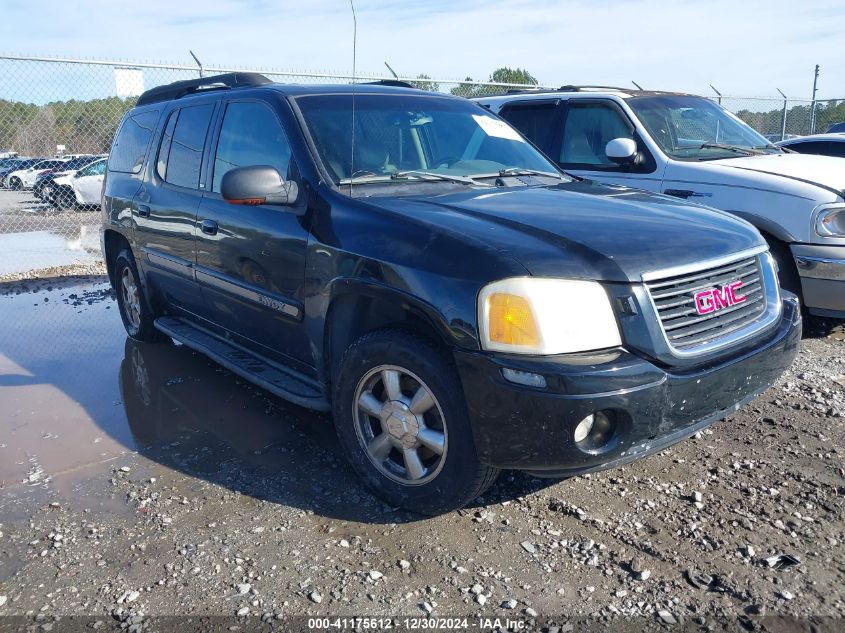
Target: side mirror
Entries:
(622, 151)
(257, 184)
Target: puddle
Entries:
(60, 409)
(78, 399)
(20, 252)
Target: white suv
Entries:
(690, 147)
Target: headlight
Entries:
(531, 315)
(831, 222)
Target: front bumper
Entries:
(532, 429)
(822, 272)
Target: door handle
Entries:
(209, 227)
(143, 211)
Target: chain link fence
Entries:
(777, 119)
(68, 110)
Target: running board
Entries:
(257, 370)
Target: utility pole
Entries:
(813, 102)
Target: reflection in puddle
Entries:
(78, 399)
(188, 413)
(34, 250)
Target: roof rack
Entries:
(189, 86)
(567, 88)
(396, 83)
(587, 88)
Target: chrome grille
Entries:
(684, 327)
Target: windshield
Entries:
(407, 138)
(695, 128)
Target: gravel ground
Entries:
(220, 500)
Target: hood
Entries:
(582, 230)
(827, 172)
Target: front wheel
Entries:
(401, 418)
(134, 311)
(16, 184)
(65, 199)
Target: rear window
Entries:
(130, 145)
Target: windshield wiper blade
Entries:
(772, 146)
(731, 148)
(519, 171)
(433, 175)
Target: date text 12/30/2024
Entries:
(416, 624)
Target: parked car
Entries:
(15, 165)
(457, 302)
(824, 144)
(837, 128)
(9, 161)
(25, 178)
(690, 147)
(87, 183)
(47, 189)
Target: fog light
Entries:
(583, 429)
(524, 378)
(595, 430)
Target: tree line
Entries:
(797, 118)
(81, 126)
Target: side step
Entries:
(257, 370)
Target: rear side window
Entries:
(133, 138)
(97, 169)
(536, 121)
(182, 144)
(251, 135)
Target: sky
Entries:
(742, 47)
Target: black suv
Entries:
(410, 262)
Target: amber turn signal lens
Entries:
(511, 320)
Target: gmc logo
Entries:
(714, 299)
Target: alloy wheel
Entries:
(131, 298)
(400, 425)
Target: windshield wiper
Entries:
(773, 146)
(433, 175)
(731, 148)
(519, 171)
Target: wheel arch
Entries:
(359, 307)
(766, 226)
(113, 243)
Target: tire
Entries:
(787, 271)
(434, 482)
(65, 199)
(132, 305)
(15, 184)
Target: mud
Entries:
(144, 480)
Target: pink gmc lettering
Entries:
(714, 299)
